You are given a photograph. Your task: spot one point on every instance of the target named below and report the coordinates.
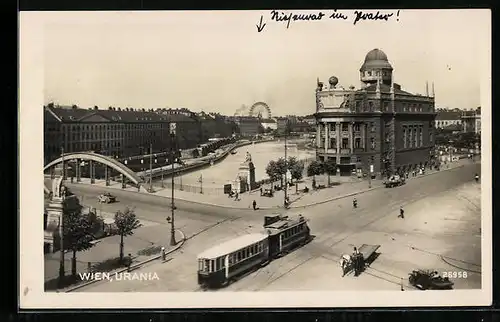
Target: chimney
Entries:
(432, 89)
(427, 88)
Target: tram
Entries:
(221, 264)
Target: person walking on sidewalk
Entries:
(254, 205)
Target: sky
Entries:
(218, 61)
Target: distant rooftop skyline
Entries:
(193, 60)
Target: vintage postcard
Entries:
(205, 159)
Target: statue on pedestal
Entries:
(248, 158)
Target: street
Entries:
(406, 244)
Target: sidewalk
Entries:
(343, 187)
(144, 244)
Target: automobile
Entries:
(106, 198)
(429, 280)
(394, 181)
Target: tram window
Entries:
(239, 256)
(247, 253)
(217, 264)
(212, 265)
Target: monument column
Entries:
(78, 170)
(124, 184)
(363, 136)
(318, 135)
(91, 170)
(339, 129)
(351, 136)
(327, 133)
(106, 176)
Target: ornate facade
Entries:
(378, 126)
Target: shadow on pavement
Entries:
(105, 266)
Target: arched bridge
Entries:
(99, 158)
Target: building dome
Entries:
(376, 58)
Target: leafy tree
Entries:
(78, 233)
(272, 172)
(281, 166)
(296, 170)
(313, 169)
(126, 222)
(330, 168)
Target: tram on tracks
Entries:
(228, 261)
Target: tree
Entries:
(78, 234)
(313, 169)
(330, 168)
(126, 222)
(272, 172)
(296, 170)
(281, 167)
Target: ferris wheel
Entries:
(260, 110)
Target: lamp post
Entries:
(166, 162)
(61, 231)
(180, 173)
(150, 167)
(172, 206)
(285, 200)
(370, 171)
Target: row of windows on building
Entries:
(446, 123)
(404, 107)
(375, 73)
(112, 127)
(332, 127)
(348, 159)
(413, 136)
(344, 143)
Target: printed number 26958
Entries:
(455, 274)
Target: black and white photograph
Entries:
(277, 158)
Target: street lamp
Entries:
(61, 230)
(370, 171)
(285, 200)
(172, 206)
(150, 167)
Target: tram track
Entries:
(391, 210)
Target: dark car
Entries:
(429, 280)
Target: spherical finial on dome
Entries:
(333, 81)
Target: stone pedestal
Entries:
(60, 203)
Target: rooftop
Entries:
(448, 115)
(75, 114)
(385, 89)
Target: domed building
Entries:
(377, 128)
